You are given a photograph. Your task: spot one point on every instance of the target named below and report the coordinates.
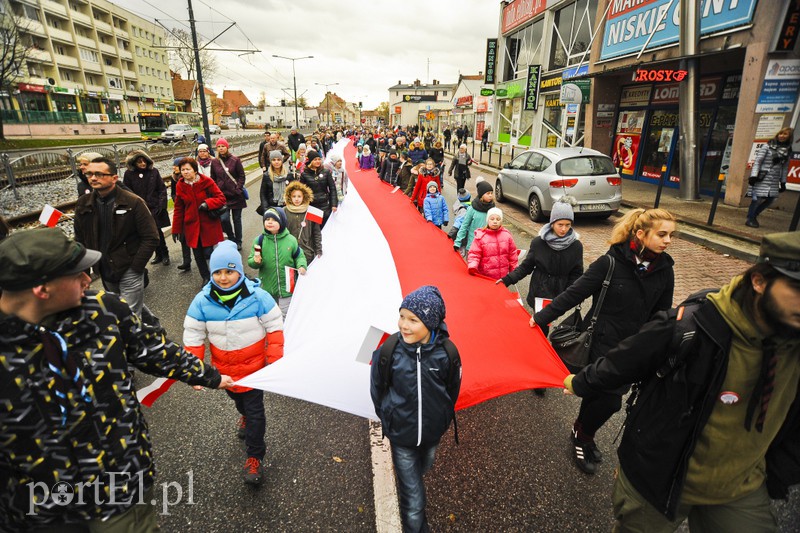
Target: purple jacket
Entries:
(233, 191)
(366, 162)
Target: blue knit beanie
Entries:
(177, 161)
(427, 303)
(464, 195)
(225, 255)
(278, 215)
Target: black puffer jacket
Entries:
(553, 270)
(389, 169)
(632, 299)
(323, 186)
(148, 185)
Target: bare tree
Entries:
(13, 51)
(182, 60)
(383, 111)
(262, 100)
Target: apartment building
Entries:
(418, 103)
(92, 67)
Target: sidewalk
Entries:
(728, 234)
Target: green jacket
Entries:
(473, 220)
(277, 252)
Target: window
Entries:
(572, 33)
(519, 162)
(31, 12)
(65, 75)
(114, 82)
(34, 71)
(147, 70)
(141, 69)
(586, 166)
(54, 23)
(88, 55)
(58, 49)
(444, 93)
(107, 61)
(522, 48)
(138, 51)
(90, 80)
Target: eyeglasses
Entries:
(97, 174)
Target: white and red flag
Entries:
(290, 277)
(50, 216)
(314, 214)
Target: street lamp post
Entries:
(294, 80)
(327, 98)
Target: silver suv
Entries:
(178, 132)
(539, 177)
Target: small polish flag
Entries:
(395, 190)
(290, 278)
(314, 214)
(541, 303)
(50, 216)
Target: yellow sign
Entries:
(430, 115)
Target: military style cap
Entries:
(782, 251)
(32, 257)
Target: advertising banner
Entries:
(626, 152)
(532, 88)
(491, 60)
(779, 90)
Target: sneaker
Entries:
(752, 223)
(165, 261)
(253, 471)
(597, 455)
(584, 457)
(240, 427)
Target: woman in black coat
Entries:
(642, 284)
(144, 180)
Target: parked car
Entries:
(214, 129)
(539, 177)
(178, 132)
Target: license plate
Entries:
(595, 207)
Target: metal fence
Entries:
(36, 172)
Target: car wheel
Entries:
(498, 192)
(535, 208)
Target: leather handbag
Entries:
(571, 344)
(221, 213)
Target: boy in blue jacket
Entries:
(435, 206)
(414, 392)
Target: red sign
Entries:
(464, 101)
(658, 74)
(398, 109)
(482, 104)
(518, 12)
(31, 88)
(626, 151)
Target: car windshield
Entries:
(592, 165)
(174, 127)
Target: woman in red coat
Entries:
(195, 196)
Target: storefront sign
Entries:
(464, 101)
(574, 72)
(550, 83)
(631, 22)
(731, 89)
(419, 98)
(793, 178)
(502, 93)
(786, 39)
(658, 74)
(781, 83)
(768, 126)
(604, 114)
(510, 90)
(576, 92)
(487, 92)
(532, 88)
(398, 109)
(634, 95)
(491, 60)
(552, 100)
(482, 104)
(668, 94)
(518, 12)
(28, 88)
(96, 118)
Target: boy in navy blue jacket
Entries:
(415, 393)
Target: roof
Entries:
(422, 87)
(209, 91)
(235, 99)
(183, 89)
(474, 77)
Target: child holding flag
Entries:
(303, 220)
(277, 256)
(435, 207)
(245, 330)
(427, 175)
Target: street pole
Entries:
(200, 86)
(294, 81)
(687, 98)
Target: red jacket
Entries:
(421, 188)
(189, 220)
(493, 253)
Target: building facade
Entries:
(420, 104)
(90, 68)
(468, 107)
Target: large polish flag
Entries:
(377, 249)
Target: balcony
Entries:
(81, 18)
(119, 32)
(125, 54)
(112, 71)
(60, 35)
(33, 27)
(67, 61)
(108, 49)
(40, 56)
(54, 7)
(96, 88)
(91, 44)
(70, 84)
(129, 74)
(92, 67)
(103, 26)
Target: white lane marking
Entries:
(387, 510)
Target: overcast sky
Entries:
(365, 46)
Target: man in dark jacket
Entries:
(145, 181)
(295, 139)
(119, 224)
(76, 451)
(415, 399)
(322, 184)
(271, 144)
(714, 430)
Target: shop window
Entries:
(523, 48)
(572, 33)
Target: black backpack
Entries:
(385, 366)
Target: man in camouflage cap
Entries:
(70, 416)
(713, 431)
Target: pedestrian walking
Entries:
(307, 232)
(712, 431)
(460, 164)
(768, 175)
(321, 183)
(421, 374)
(493, 252)
(82, 182)
(390, 167)
(642, 284)
(476, 216)
(144, 180)
(485, 139)
(435, 206)
(427, 174)
(228, 173)
(274, 182)
(70, 413)
(186, 252)
(119, 224)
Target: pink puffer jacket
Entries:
(493, 253)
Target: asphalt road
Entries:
(512, 470)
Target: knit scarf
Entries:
(554, 241)
(462, 157)
(781, 151)
(229, 297)
(480, 205)
(275, 177)
(647, 257)
(302, 208)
